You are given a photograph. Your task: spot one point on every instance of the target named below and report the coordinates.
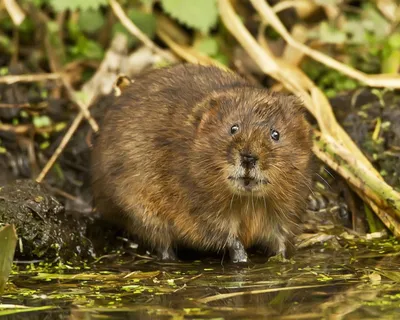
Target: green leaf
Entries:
(90, 20)
(38, 3)
(220, 57)
(86, 48)
(147, 3)
(207, 45)
(356, 31)
(8, 242)
(394, 41)
(201, 15)
(144, 21)
(329, 34)
(41, 121)
(61, 5)
(375, 22)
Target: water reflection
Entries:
(353, 283)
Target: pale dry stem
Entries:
(187, 53)
(10, 79)
(261, 291)
(68, 135)
(374, 80)
(134, 30)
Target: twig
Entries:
(26, 128)
(186, 52)
(60, 148)
(55, 63)
(134, 30)
(15, 11)
(30, 77)
(243, 293)
(90, 92)
(18, 129)
(83, 106)
(25, 105)
(61, 192)
(284, 5)
(15, 105)
(374, 80)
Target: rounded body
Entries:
(196, 156)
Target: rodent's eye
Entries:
(274, 135)
(234, 128)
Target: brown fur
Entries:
(165, 157)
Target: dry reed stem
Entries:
(134, 30)
(10, 79)
(187, 53)
(261, 291)
(14, 10)
(384, 201)
(83, 106)
(373, 80)
(68, 135)
(15, 105)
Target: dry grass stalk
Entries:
(374, 80)
(30, 77)
(135, 31)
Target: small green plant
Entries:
(201, 15)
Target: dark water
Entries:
(360, 280)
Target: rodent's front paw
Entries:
(166, 254)
(239, 257)
(237, 252)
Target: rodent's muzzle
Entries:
(246, 175)
(248, 160)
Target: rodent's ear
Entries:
(296, 105)
(121, 83)
(205, 112)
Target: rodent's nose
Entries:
(248, 160)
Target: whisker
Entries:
(233, 196)
(326, 182)
(328, 172)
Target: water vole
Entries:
(196, 156)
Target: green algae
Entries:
(357, 281)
